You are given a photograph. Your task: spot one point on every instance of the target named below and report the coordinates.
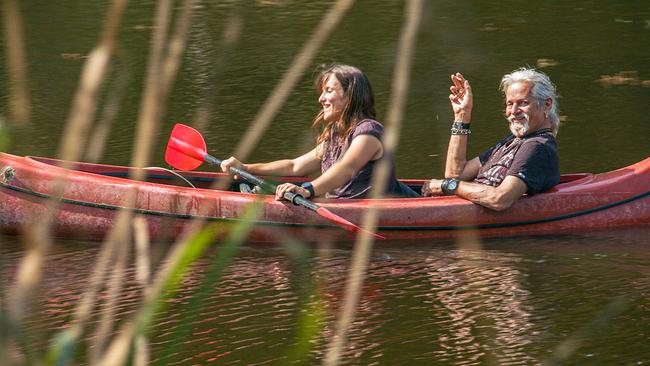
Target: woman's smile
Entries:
(332, 99)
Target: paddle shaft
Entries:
(294, 198)
(197, 152)
(186, 150)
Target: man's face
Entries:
(523, 112)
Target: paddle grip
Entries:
(250, 178)
(294, 198)
(299, 200)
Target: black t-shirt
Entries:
(532, 159)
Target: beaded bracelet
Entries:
(460, 131)
(460, 128)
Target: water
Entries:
(605, 124)
(573, 299)
(519, 300)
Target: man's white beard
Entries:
(519, 129)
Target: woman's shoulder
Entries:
(368, 126)
(370, 122)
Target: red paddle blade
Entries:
(186, 148)
(347, 225)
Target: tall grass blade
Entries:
(310, 321)
(16, 63)
(291, 77)
(364, 242)
(177, 264)
(226, 253)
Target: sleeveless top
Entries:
(359, 186)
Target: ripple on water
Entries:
(569, 299)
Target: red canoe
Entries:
(93, 193)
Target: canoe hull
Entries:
(86, 199)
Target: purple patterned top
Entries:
(359, 186)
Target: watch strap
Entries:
(310, 187)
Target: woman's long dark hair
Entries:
(360, 100)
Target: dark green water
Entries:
(606, 125)
(574, 300)
(516, 301)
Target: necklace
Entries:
(538, 132)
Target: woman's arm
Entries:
(303, 165)
(363, 149)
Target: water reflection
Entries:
(480, 297)
(504, 301)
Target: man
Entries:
(525, 162)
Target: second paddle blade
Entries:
(345, 224)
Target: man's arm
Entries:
(457, 166)
(495, 198)
(462, 101)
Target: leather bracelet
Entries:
(460, 125)
(308, 186)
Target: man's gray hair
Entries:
(543, 89)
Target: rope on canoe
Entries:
(173, 173)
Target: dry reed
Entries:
(38, 239)
(164, 59)
(291, 77)
(364, 242)
(16, 63)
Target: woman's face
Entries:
(332, 99)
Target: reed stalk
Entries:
(604, 318)
(184, 253)
(291, 77)
(161, 58)
(141, 356)
(364, 241)
(85, 101)
(151, 102)
(16, 63)
(101, 131)
(114, 288)
(164, 59)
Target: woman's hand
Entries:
(290, 187)
(231, 162)
(461, 98)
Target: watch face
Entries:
(452, 185)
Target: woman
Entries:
(348, 145)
